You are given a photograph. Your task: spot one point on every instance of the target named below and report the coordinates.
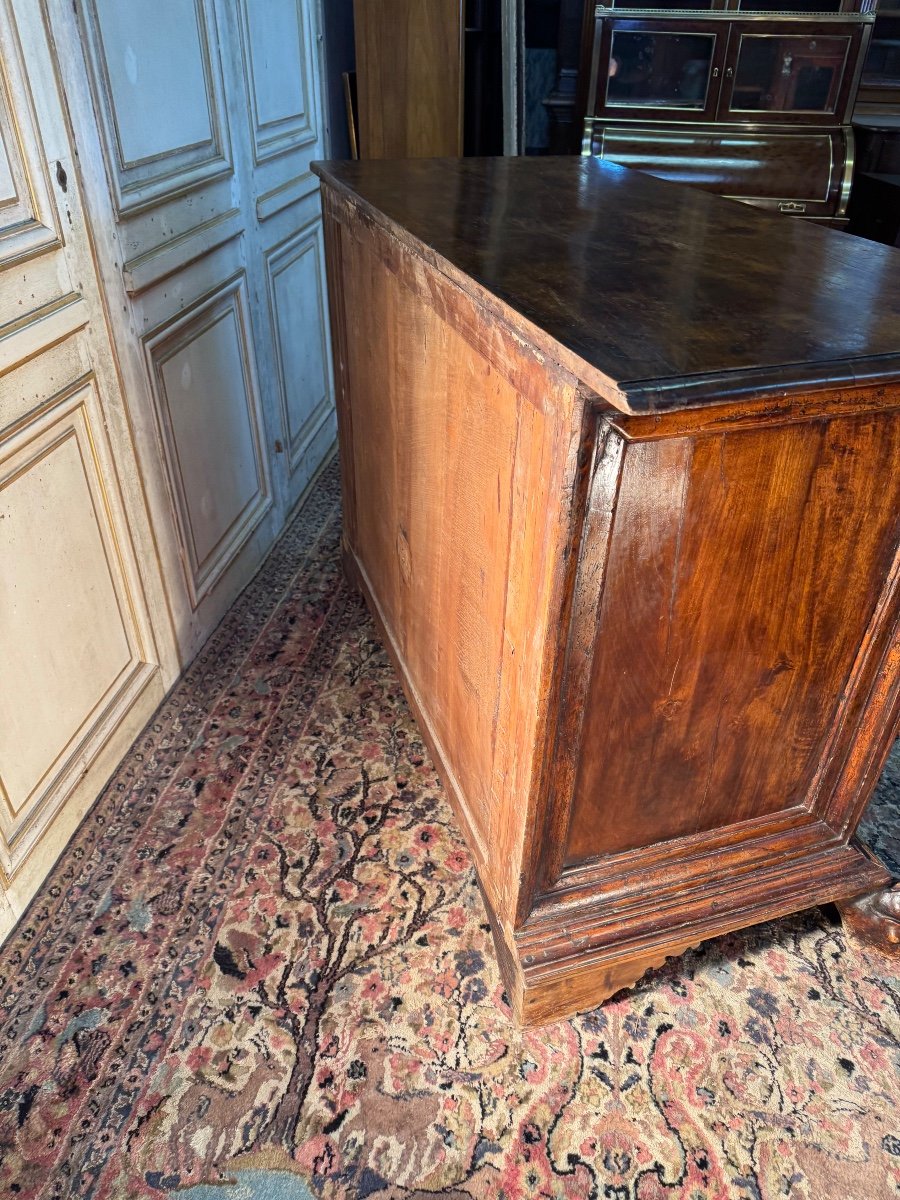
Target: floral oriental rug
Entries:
(263, 970)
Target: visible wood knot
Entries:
(404, 557)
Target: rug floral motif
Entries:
(263, 972)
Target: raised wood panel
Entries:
(275, 201)
(297, 302)
(71, 648)
(278, 70)
(158, 90)
(723, 679)
(42, 327)
(211, 422)
(171, 255)
(28, 223)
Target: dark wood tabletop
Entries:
(657, 295)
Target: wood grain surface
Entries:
(746, 569)
(656, 295)
(409, 69)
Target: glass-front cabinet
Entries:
(708, 69)
(748, 98)
(880, 82)
(762, 6)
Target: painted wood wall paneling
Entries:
(287, 134)
(84, 660)
(165, 381)
(208, 191)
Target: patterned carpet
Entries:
(263, 971)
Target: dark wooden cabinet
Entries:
(722, 67)
(621, 482)
(875, 211)
(794, 173)
(712, 69)
(724, 97)
(879, 87)
(569, 102)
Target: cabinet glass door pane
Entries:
(677, 5)
(882, 67)
(659, 70)
(788, 73)
(792, 6)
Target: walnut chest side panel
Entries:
(745, 569)
(460, 455)
(731, 685)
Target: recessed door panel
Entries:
(277, 58)
(157, 84)
(74, 656)
(57, 578)
(28, 224)
(297, 295)
(212, 430)
(8, 191)
(157, 81)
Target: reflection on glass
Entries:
(659, 70)
(882, 67)
(800, 6)
(789, 73)
(673, 4)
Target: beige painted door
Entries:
(82, 665)
(196, 122)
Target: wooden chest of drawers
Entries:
(621, 480)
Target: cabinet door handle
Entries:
(715, 73)
(729, 72)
